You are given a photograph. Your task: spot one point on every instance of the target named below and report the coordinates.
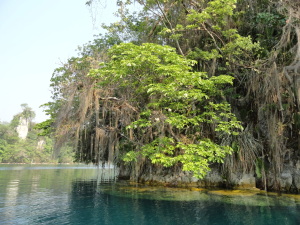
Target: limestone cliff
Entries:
(22, 128)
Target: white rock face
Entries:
(40, 145)
(22, 129)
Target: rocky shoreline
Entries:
(288, 181)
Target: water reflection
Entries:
(38, 196)
(83, 196)
(11, 199)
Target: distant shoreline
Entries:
(41, 163)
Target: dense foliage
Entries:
(32, 149)
(175, 105)
(169, 84)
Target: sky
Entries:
(36, 36)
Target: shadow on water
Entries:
(112, 203)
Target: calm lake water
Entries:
(84, 195)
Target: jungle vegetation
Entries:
(186, 84)
(31, 149)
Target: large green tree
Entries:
(147, 97)
(176, 106)
(172, 102)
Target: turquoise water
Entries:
(84, 195)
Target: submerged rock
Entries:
(254, 197)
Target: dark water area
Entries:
(86, 195)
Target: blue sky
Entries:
(35, 37)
